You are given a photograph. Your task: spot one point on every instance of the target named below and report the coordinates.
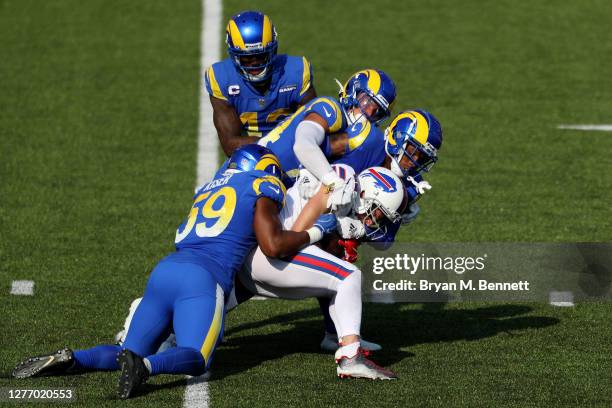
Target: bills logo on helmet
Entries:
(382, 181)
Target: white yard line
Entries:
(599, 128)
(22, 287)
(561, 299)
(196, 393)
(210, 52)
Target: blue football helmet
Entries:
(416, 134)
(251, 44)
(255, 157)
(372, 91)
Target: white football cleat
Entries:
(330, 343)
(359, 366)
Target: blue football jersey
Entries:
(365, 141)
(366, 147)
(260, 113)
(218, 234)
(282, 138)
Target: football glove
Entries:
(325, 224)
(421, 186)
(350, 249)
(340, 191)
(350, 228)
(307, 184)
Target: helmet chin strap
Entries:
(352, 119)
(396, 168)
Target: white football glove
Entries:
(307, 184)
(340, 191)
(350, 228)
(421, 186)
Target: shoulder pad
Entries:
(329, 109)
(212, 78)
(266, 185)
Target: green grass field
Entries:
(98, 129)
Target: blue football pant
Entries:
(184, 297)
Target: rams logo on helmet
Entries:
(251, 44)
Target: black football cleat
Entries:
(60, 362)
(134, 373)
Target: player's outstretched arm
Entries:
(309, 135)
(277, 243)
(228, 126)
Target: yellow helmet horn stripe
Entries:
(422, 127)
(267, 31)
(235, 35)
(265, 161)
(373, 80)
(393, 124)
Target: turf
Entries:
(98, 123)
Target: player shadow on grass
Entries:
(395, 326)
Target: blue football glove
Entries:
(324, 225)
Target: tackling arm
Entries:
(273, 241)
(228, 126)
(316, 206)
(309, 135)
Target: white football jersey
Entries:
(304, 188)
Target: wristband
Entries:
(315, 234)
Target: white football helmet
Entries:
(379, 188)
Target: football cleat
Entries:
(359, 366)
(134, 373)
(59, 362)
(330, 343)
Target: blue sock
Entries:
(327, 320)
(178, 360)
(97, 358)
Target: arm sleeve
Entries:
(309, 136)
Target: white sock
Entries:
(345, 308)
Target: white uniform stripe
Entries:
(196, 394)
(22, 287)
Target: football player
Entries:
(412, 142)
(315, 272)
(186, 290)
(254, 89)
(326, 129)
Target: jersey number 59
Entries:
(219, 217)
